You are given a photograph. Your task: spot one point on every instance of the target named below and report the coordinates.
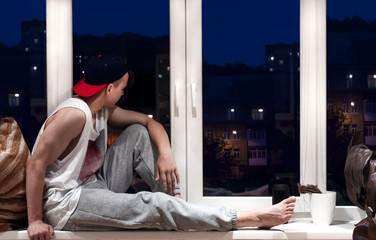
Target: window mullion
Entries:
(59, 34)
(313, 92)
(177, 89)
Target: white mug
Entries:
(322, 207)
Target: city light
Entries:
(35, 68)
(352, 104)
(17, 95)
(350, 76)
(234, 132)
(150, 116)
(232, 110)
(261, 110)
(374, 76)
(272, 58)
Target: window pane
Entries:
(137, 33)
(351, 82)
(251, 87)
(23, 65)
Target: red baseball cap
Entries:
(99, 72)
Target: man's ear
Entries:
(109, 88)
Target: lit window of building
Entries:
(371, 81)
(353, 107)
(256, 134)
(346, 129)
(258, 114)
(231, 114)
(237, 153)
(369, 106)
(14, 99)
(235, 135)
(349, 81)
(345, 107)
(330, 106)
(257, 156)
(209, 135)
(369, 129)
(227, 152)
(226, 135)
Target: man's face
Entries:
(117, 90)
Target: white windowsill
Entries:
(295, 229)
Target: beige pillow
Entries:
(13, 155)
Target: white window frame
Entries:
(59, 40)
(186, 95)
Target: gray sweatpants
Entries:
(104, 205)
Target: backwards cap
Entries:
(99, 72)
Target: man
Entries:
(74, 183)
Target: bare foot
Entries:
(268, 217)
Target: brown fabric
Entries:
(309, 188)
(360, 174)
(13, 155)
(370, 184)
(358, 157)
(361, 230)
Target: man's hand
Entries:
(39, 230)
(167, 171)
(178, 196)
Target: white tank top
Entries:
(62, 185)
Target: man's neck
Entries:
(95, 103)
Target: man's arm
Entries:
(166, 168)
(59, 131)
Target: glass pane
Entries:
(141, 36)
(250, 97)
(351, 78)
(23, 65)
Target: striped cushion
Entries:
(13, 155)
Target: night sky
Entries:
(231, 32)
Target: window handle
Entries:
(176, 100)
(194, 99)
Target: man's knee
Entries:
(137, 129)
(136, 132)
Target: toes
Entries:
(291, 208)
(290, 200)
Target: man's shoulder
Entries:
(71, 113)
(68, 117)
